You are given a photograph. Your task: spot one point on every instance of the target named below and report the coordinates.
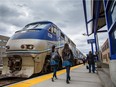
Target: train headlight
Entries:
(7, 47)
(27, 46)
(30, 46)
(22, 46)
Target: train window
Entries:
(30, 26)
(62, 35)
(35, 26)
(41, 26)
(66, 39)
(4, 40)
(51, 30)
(54, 30)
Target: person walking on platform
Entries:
(84, 61)
(91, 62)
(67, 56)
(54, 61)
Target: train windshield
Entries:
(35, 26)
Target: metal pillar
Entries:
(92, 48)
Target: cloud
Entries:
(7, 29)
(3, 28)
(66, 14)
(8, 15)
(8, 12)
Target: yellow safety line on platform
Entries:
(31, 82)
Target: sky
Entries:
(68, 15)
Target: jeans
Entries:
(93, 67)
(67, 73)
(54, 70)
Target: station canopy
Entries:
(98, 15)
(94, 16)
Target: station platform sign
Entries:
(89, 41)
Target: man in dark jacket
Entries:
(91, 62)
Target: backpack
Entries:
(69, 56)
(68, 60)
(55, 56)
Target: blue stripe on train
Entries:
(38, 34)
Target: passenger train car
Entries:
(79, 57)
(28, 50)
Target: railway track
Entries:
(8, 81)
(11, 80)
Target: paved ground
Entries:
(79, 78)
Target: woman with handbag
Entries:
(67, 56)
(54, 61)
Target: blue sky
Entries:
(66, 14)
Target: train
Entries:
(28, 50)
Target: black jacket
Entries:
(67, 56)
(91, 59)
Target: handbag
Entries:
(67, 63)
(87, 67)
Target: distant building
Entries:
(105, 52)
(3, 41)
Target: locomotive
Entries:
(28, 50)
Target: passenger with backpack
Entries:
(67, 56)
(54, 61)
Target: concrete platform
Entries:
(79, 78)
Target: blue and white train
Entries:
(28, 50)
